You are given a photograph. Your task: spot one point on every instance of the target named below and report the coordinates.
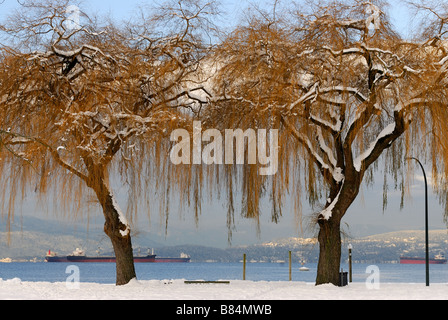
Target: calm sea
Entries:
(105, 272)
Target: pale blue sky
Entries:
(365, 213)
(232, 9)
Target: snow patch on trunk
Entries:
(328, 211)
(121, 216)
(338, 176)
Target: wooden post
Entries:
(244, 266)
(290, 262)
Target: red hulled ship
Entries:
(438, 259)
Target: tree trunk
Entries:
(120, 237)
(330, 231)
(124, 258)
(329, 251)
(115, 225)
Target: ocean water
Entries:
(105, 272)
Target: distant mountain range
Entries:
(32, 237)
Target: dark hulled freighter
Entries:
(79, 256)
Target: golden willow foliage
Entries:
(333, 77)
(79, 105)
(343, 89)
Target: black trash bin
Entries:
(343, 279)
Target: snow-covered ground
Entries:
(236, 290)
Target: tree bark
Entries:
(330, 231)
(124, 259)
(329, 251)
(121, 242)
(116, 229)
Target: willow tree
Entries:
(81, 102)
(343, 89)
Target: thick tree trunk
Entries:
(115, 225)
(329, 251)
(124, 258)
(120, 237)
(330, 231)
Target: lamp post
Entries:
(350, 247)
(426, 221)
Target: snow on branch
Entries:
(307, 96)
(344, 89)
(373, 13)
(343, 51)
(329, 169)
(335, 128)
(325, 148)
(358, 161)
(305, 141)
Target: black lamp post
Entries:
(426, 222)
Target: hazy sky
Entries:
(365, 214)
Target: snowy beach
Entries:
(235, 290)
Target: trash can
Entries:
(343, 279)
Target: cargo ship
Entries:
(438, 259)
(79, 256)
(183, 258)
